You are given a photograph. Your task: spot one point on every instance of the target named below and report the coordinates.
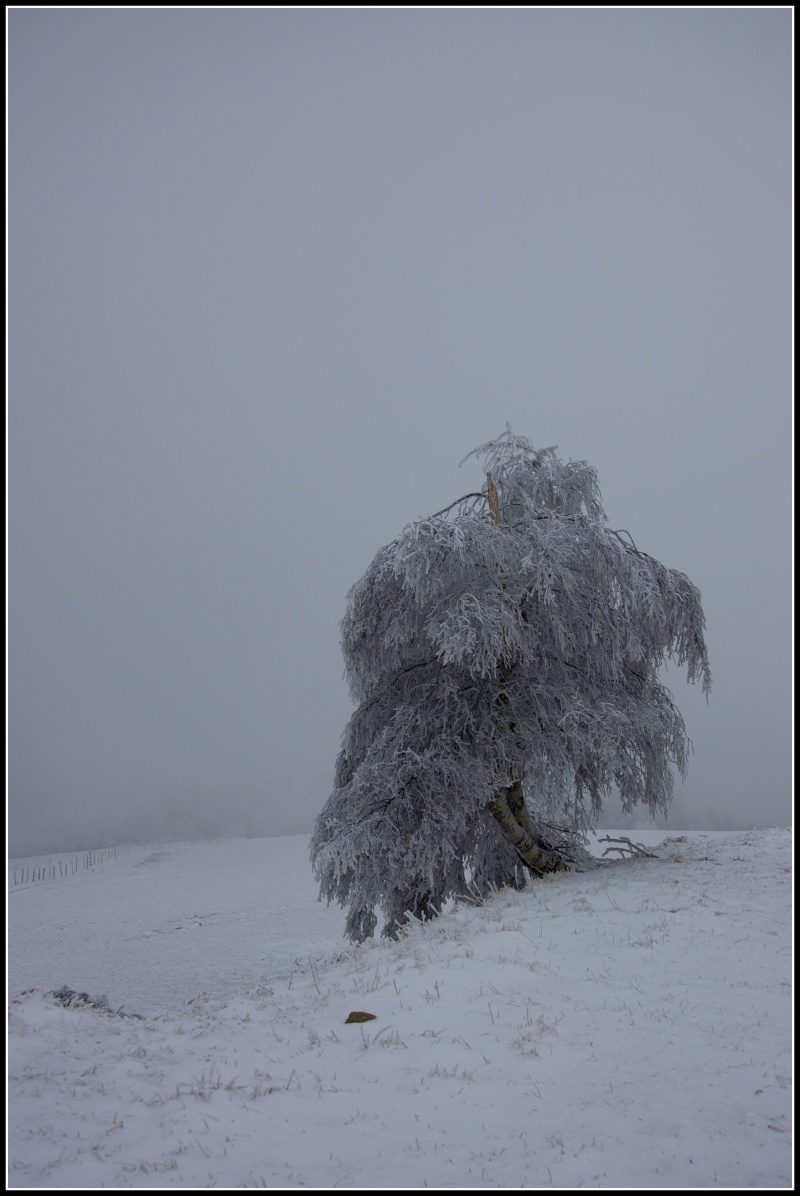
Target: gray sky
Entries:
(273, 273)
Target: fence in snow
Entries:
(28, 874)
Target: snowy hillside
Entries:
(627, 1027)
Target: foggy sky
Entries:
(273, 273)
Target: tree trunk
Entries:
(508, 804)
(508, 807)
(517, 806)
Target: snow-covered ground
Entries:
(626, 1027)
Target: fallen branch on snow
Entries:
(70, 999)
(629, 848)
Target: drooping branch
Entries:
(449, 507)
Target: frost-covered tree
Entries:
(504, 658)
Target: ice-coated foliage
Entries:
(511, 635)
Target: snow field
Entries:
(628, 1027)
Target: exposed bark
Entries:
(516, 804)
(493, 498)
(508, 807)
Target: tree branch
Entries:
(463, 498)
(630, 849)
